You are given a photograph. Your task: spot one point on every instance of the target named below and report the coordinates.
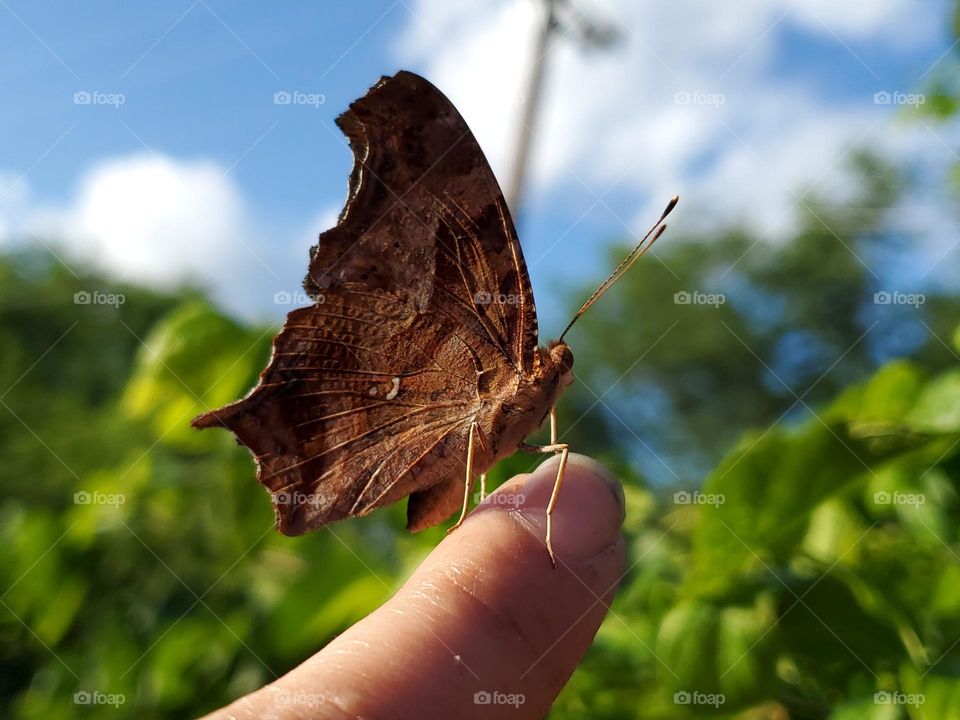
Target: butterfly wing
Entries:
(422, 307)
(419, 175)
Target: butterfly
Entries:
(416, 366)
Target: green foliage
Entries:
(137, 555)
(795, 323)
(815, 568)
(815, 575)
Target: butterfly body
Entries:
(517, 417)
(524, 408)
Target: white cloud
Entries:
(156, 219)
(161, 221)
(902, 21)
(741, 147)
(322, 221)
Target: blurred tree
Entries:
(129, 540)
(733, 333)
(814, 576)
(941, 99)
(64, 363)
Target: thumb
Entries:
(485, 627)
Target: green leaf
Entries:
(718, 650)
(865, 709)
(937, 410)
(830, 636)
(348, 605)
(883, 401)
(769, 486)
(193, 361)
(835, 531)
(57, 613)
(930, 693)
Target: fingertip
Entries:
(486, 612)
(589, 511)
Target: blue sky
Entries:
(736, 106)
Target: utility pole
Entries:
(560, 16)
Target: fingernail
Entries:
(589, 510)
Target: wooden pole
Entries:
(558, 15)
(531, 103)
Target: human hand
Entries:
(485, 627)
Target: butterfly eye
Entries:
(562, 356)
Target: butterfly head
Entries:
(562, 358)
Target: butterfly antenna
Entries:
(641, 247)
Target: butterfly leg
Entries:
(468, 483)
(483, 486)
(564, 451)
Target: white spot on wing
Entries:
(394, 390)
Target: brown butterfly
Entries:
(419, 355)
